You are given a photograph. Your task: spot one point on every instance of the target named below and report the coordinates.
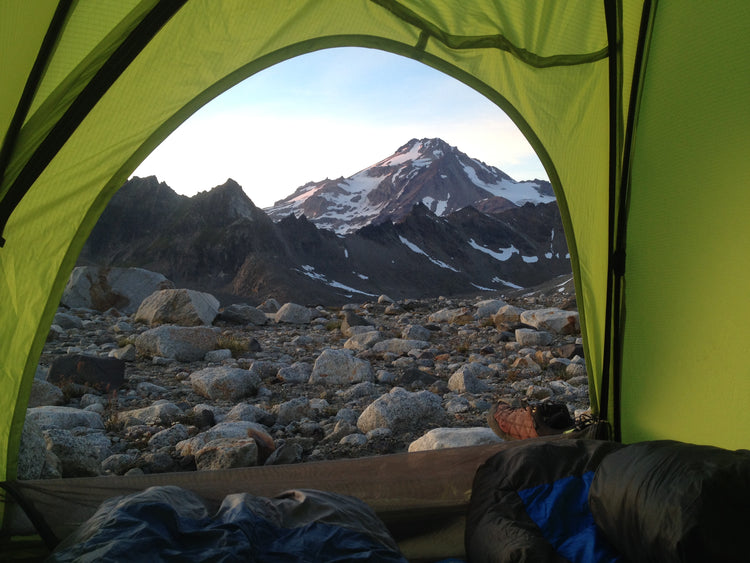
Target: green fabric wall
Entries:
(685, 372)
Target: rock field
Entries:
(181, 385)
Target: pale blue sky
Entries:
(329, 114)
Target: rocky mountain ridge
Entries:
(219, 241)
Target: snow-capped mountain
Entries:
(426, 171)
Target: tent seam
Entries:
(496, 41)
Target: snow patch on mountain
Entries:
(310, 272)
(414, 248)
(503, 255)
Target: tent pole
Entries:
(644, 33)
(29, 91)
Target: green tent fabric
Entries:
(638, 110)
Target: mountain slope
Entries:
(219, 241)
(427, 171)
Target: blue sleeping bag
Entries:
(529, 503)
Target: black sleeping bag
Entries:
(529, 503)
(671, 502)
(173, 524)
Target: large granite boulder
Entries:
(94, 287)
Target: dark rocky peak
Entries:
(229, 200)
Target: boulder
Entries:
(168, 437)
(340, 367)
(293, 314)
(45, 393)
(250, 413)
(102, 374)
(226, 383)
(64, 417)
(67, 321)
(233, 430)
(450, 315)
(403, 411)
(182, 343)
(553, 320)
(183, 307)
(467, 378)
(270, 306)
(350, 320)
(162, 413)
(293, 410)
(363, 341)
(243, 314)
(127, 353)
(298, 372)
(507, 314)
(119, 464)
(227, 453)
(488, 308)
(531, 337)
(32, 453)
(80, 454)
(399, 346)
(93, 287)
(416, 332)
(441, 438)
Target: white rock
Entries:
(64, 417)
(488, 308)
(416, 332)
(227, 453)
(185, 344)
(293, 314)
(553, 320)
(508, 314)
(162, 412)
(235, 430)
(467, 378)
(441, 438)
(402, 411)
(225, 383)
(448, 315)
(531, 337)
(184, 307)
(364, 340)
(399, 346)
(340, 367)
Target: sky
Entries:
(328, 114)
